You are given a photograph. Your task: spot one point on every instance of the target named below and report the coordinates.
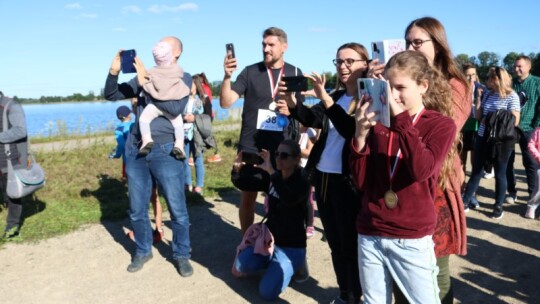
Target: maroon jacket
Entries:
(423, 148)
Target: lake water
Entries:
(90, 117)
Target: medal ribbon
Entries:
(274, 86)
(398, 155)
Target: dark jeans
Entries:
(338, 207)
(500, 163)
(528, 163)
(14, 207)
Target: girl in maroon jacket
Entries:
(398, 168)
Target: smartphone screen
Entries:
(251, 158)
(128, 59)
(230, 49)
(295, 83)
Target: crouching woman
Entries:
(288, 197)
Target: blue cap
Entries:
(122, 112)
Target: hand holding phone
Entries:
(250, 158)
(295, 83)
(127, 59)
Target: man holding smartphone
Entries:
(159, 163)
(258, 83)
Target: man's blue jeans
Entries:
(280, 268)
(169, 173)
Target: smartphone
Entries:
(385, 49)
(296, 83)
(377, 89)
(128, 59)
(230, 49)
(251, 158)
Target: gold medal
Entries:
(390, 199)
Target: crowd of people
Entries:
(391, 200)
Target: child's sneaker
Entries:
(530, 212)
(214, 159)
(178, 153)
(146, 148)
(190, 162)
(158, 235)
(310, 231)
(130, 235)
(197, 190)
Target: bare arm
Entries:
(227, 96)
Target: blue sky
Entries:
(64, 47)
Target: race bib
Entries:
(268, 120)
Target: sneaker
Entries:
(190, 162)
(138, 262)
(489, 175)
(511, 199)
(158, 235)
(184, 267)
(130, 235)
(466, 208)
(11, 233)
(310, 231)
(197, 190)
(146, 149)
(338, 300)
(214, 159)
(530, 212)
(474, 203)
(302, 274)
(497, 213)
(178, 153)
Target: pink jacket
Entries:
(258, 236)
(534, 144)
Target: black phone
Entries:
(128, 59)
(251, 158)
(230, 49)
(295, 83)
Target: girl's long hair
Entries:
(197, 80)
(438, 97)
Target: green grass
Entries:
(84, 187)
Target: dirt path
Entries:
(89, 265)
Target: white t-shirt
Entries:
(304, 139)
(330, 161)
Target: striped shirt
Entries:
(530, 111)
(492, 102)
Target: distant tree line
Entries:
(91, 96)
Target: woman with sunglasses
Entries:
(328, 164)
(500, 95)
(288, 197)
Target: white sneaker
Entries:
(530, 212)
(511, 199)
(489, 175)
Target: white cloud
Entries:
(119, 29)
(319, 30)
(89, 16)
(131, 9)
(73, 6)
(173, 9)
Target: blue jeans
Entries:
(411, 263)
(169, 173)
(500, 164)
(280, 268)
(198, 161)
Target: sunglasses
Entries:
(283, 155)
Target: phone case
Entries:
(296, 83)
(377, 89)
(385, 49)
(127, 59)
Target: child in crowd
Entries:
(165, 86)
(287, 193)
(121, 133)
(398, 169)
(534, 149)
(308, 136)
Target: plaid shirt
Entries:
(530, 109)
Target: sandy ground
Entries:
(89, 265)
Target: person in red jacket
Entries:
(398, 169)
